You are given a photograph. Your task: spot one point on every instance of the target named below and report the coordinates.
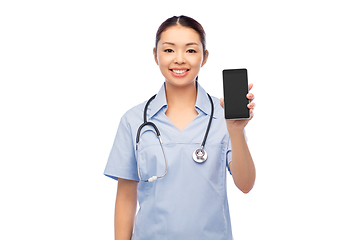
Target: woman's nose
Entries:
(179, 58)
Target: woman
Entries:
(179, 198)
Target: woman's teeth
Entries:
(179, 71)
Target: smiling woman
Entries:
(178, 55)
(181, 195)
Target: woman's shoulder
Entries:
(135, 113)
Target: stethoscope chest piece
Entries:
(199, 155)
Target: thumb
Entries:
(222, 102)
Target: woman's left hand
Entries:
(239, 125)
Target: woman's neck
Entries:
(181, 97)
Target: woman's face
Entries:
(180, 55)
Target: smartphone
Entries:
(236, 87)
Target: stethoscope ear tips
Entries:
(153, 178)
(200, 155)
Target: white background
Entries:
(70, 69)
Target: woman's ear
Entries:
(155, 56)
(205, 58)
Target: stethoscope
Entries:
(199, 155)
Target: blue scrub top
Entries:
(190, 201)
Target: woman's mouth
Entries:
(179, 72)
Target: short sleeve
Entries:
(122, 162)
(229, 152)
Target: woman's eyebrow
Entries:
(170, 43)
(188, 44)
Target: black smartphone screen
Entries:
(235, 82)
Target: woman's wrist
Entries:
(238, 133)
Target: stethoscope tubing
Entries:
(209, 124)
(137, 157)
(199, 159)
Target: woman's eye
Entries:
(168, 50)
(191, 51)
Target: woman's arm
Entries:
(242, 166)
(125, 208)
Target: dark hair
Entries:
(185, 22)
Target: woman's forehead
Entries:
(179, 35)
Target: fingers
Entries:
(250, 96)
(251, 105)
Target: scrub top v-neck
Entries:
(190, 201)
